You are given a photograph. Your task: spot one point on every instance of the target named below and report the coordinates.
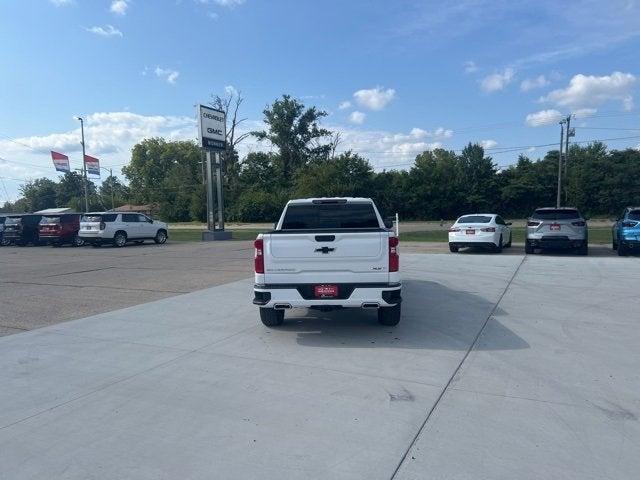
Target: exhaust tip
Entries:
(282, 306)
(370, 305)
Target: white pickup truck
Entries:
(328, 253)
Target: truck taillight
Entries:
(103, 225)
(394, 256)
(258, 257)
(628, 224)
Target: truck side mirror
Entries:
(388, 223)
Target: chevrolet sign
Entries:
(212, 128)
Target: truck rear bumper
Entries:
(354, 295)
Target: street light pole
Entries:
(566, 161)
(84, 167)
(558, 199)
(110, 170)
(113, 203)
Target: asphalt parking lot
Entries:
(41, 286)
(503, 366)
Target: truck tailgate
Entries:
(341, 257)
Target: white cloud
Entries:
(119, 7)
(108, 135)
(61, 3)
(543, 117)
(357, 117)
(497, 81)
(344, 105)
(106, 31)
(470, 67)
(413, 148)
(533, 83)
(488, 143)
(213, 15)
(591, 91)
(584, 112)
(231, 91)
(442, 133)
(374, 98)
(229, 3)
(416, 133)
(107, 132)
(171, 76)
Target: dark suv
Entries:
(22, 229)
(60, 229)
(557, 228)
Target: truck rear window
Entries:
(562, 214)
(331, 216)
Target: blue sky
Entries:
(396, 77)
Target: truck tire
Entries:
(120, 239)
(389, 316)
(528, 248)
(498, 247)
(271, 317)
(622, 250)
(161, 237)
(584, 249)
(453, 249)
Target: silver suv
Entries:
(97, 228)
(557, 228)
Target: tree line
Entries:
(441, 184)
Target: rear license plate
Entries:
(325, 291)
(554, 227)
(470, 232)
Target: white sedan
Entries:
(480, 230)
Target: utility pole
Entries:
(84, 167)
(113, 203)
(560, 164)
(566, 160)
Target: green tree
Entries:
(165, 174)
(70, 192)
(113, 192)
(347, 175)
(39, 194)
(296, 132)
(435, 185)
(478, 179)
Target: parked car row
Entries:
(547, 228)
(96, 228)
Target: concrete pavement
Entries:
(500, 368)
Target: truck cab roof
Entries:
(317, 200)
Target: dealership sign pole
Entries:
(212, 135)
